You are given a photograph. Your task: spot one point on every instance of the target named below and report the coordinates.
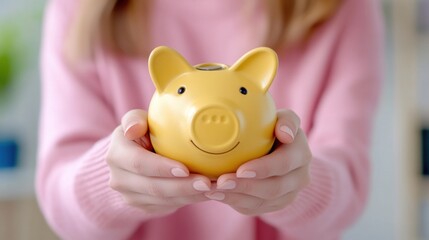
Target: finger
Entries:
(250, 205)
(145, 142)
(143, 201)
(258, 208)
(287, 126)
(269, 188)
(284, 159)
(123, 181)
(134, 124)
(133, 158)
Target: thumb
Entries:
(287, 125)
(134, 124)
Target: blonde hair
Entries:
(111, 22)
(292, 21)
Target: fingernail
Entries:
(227, 185)
(200, 186)
(218, 196)
(178, 172)
(130, 125)
(288, 131)
(246, 174)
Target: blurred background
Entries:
(398, 207)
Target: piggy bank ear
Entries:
(259, 65)
(165, 64)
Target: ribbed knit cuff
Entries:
(102, 205)
(314, 208)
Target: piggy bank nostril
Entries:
(205, 119)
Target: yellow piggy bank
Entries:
(212, 117)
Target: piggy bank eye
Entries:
(243, 90)
(181, 90)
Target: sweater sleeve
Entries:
(75, 126)
(340, 137)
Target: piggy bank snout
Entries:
(215, 129)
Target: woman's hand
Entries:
(271, 182)
(147, 180)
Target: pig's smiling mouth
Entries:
(215, 152)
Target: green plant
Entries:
(8, 59)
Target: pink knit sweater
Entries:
(332, 83)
